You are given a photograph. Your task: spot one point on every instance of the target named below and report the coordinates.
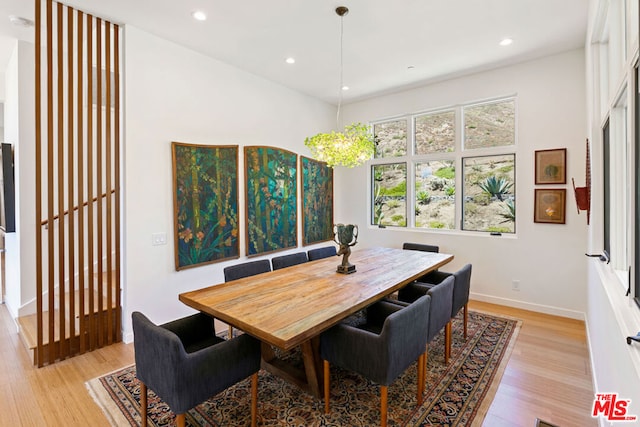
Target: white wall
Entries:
(20, 131)
(547, 259)
(2, 87)
(174, 94)
(11, 132)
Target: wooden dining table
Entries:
(290, 307)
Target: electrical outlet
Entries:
(158, 239)
(515, 285)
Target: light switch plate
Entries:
(158, 239)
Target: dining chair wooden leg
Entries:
(230, 332)
(383, 405)
(325, 365)
(143, 403)
(426, 358)
(421, 378)
(465, 313)
(447, 342)
(254, 399)
(181, 420)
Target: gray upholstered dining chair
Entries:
(420, 247)
(382, 348)
(185, 363)
(440, 313)
(319, 253)
(461, 289)
(284, 261)
(245, 269)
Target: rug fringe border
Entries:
(104, 401)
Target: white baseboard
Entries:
(539, 308)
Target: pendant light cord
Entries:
(341, 71)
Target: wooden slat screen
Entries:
(77, 182)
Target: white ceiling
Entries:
(382, 38)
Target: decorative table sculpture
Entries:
(346, 235)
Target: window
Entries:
(435, 194)
(489, 125)
(620, 209)
(391, 138)
(390, 194)
(469, 146)
(435, 133)
(489, 194)
(615, 150)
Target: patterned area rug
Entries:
(457, 394)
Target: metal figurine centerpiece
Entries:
(346, 235)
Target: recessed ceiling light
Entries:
(199, 15)
(506, 42)
(290, 60)
(20, 21)
(345, 87)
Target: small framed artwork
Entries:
(549, 205)
(551, 166)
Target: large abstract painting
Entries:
(317, 201)
(205, 200)
(271, 199)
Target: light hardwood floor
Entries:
(548, 376)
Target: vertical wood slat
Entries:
(109, 228)
(82, 156)
(80, 166)
(116, 162)
(70, 182)
(89, 162)
(58, 179)
(99, 224)
(49, 171)
(38, 135)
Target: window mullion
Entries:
(458, 165)
(411, 173)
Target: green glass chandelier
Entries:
(354, 145)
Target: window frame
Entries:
(457, 155)
(416, 202)
(372, 212)
(514, 191)
(636, 244)
(618, 202)
(606, 188)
